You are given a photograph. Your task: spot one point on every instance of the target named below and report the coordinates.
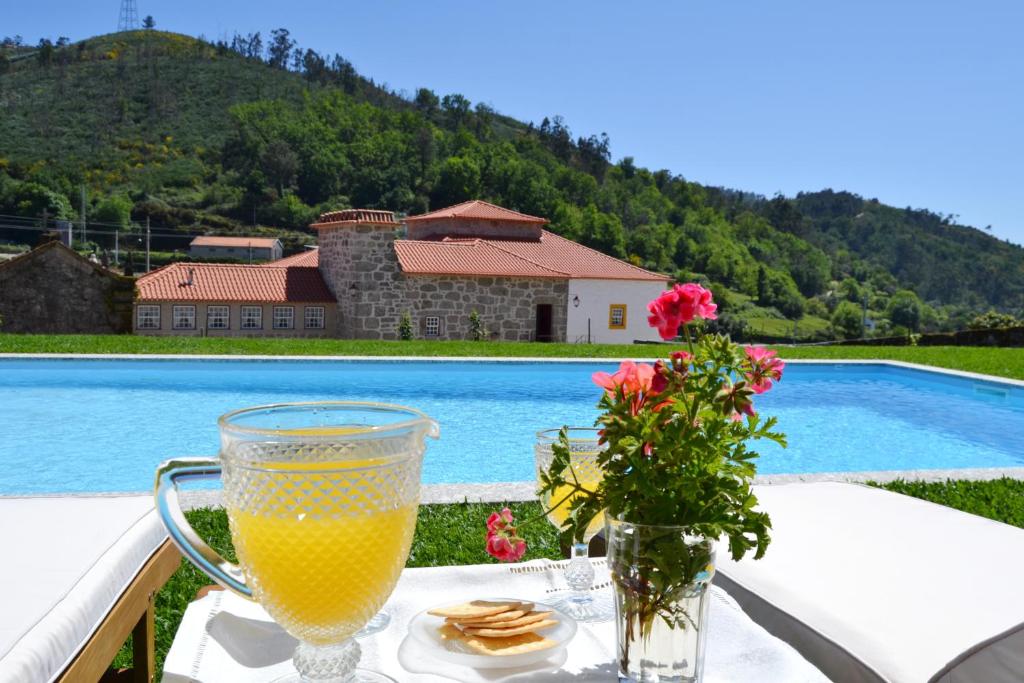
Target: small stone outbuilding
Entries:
(53, 290)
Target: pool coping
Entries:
(965, 374)
(519, 491)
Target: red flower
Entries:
(506, 549)
(502, 541)
(763, 367)
(678, 306)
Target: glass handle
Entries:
(205, 558)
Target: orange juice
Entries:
(560, 513)
(323, 561)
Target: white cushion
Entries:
(66, 561)
(871, 585)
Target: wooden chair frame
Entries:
(132, 613)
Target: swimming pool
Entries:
(103, 425)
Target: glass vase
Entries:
(660, 576)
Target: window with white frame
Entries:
(432, 326)
(183, 318)
(314, 317)
(148, 318)
(284, 317)
(217, 317)
(252, 317)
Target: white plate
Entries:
(425, 629)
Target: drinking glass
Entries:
(584, 449)
(321, 501)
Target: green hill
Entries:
(202, 137)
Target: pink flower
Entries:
(763, 367)
(502, 541)
(735, 400)
(632, 377)
(680, 361)
(506, 549)
(678, 306)
(499, 521)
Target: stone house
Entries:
(53, 290)
(238, 248)
(234, 300)
(524, 283)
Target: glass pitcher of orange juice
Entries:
(322, 501)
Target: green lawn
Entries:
(453, 535)
(992, 361)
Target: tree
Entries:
(459, 181)
(148, 23)
(279, 164)
(850, 290)
(456, 109)
(45, 53)
(992, 320)
(905, 309)
(280, 48)
(848, 320)
(116, 211)
(426, 102)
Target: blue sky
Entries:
(916, 102)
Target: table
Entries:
(226, 638)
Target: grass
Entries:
(453, 535)
(445, 535)
(991, 361)
(1000, 499)
(808, 326)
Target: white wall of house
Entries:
(596, 297)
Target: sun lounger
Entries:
(873, 586)
(78, 575)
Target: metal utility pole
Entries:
(81, 207)
(128, 19)
(147, 244)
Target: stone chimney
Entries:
(360, 267)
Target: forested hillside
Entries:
(260, 136)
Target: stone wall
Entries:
(359, 265)
(53, 290)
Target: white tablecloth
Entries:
(226, 638)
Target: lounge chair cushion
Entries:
(66, 562)
(871, 585)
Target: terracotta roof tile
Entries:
(478, 210)
(550, 257)
(225, 241)
(466, 257)
(356, 216)
(310, 258)
(230, 282)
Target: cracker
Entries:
(505, 632)
(498, 647)
(528, 618)
(493, 619)
(474, 609)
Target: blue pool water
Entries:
(104, 425)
